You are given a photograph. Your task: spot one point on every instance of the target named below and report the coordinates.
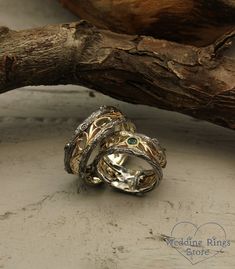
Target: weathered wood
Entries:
(197, 22)
(196, 81)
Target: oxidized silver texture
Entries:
(114, 135)
(90, 134)
(128, 180)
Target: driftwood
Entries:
(196, 81)
(195, 22)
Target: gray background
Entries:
(46, 221)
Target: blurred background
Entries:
(44, 222)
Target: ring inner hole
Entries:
(132, 168)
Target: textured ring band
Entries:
(88, 136)
(132, 145)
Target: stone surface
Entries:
(48, 220)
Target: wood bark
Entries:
(139, 69)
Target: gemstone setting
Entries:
(132, 141)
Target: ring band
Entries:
(136, 145)
(89, 134)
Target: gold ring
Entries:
(87, 138)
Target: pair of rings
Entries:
(106, 148)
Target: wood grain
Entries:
(196, 81)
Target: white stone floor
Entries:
(47, 221)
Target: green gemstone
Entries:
(132, 141)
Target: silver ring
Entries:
(126, 143)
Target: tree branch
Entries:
(196, 81)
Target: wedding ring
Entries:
(88, 136)
(122, 177)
